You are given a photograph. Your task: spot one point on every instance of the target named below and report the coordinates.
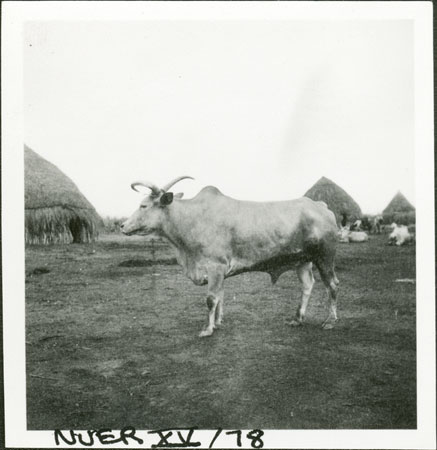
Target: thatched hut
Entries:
(337, 199)
(55, 209)
(399, 210)
(398, 204)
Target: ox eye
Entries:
(143, 206)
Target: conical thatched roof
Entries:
(399, 204)
(337, 199)
(55, 209)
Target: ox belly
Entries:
(197, 270)
(274, 265)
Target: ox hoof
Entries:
(205, 333)
(218, 325)
(295, 323)
(328, 326)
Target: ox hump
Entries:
(209, 190)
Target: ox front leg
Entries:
(305, 275)
(214, 300)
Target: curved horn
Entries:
(155, 189)
(173, 182)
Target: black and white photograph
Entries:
(218, 224)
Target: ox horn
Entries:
(173, 182)
(153, 187)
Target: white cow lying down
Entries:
(400, 235)
(352, 236)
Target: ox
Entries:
(347, 236)
(216, 237)
(400, 235)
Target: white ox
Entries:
(400, 235)
(352, 236)
(217, 237)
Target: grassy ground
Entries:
(112, 341)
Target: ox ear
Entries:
(179, 195)
(166, 198)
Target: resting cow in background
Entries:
(346, 236)
(217, 237)
(400, 235)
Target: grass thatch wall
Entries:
(55, 210)
(337, 199)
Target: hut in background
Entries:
(399, 210)
(337, 199)
(55, 209)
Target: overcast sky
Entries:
(259, 109)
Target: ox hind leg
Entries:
(214, 300)
(306, 278)
(327, 273)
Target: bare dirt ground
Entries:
(112, 340)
